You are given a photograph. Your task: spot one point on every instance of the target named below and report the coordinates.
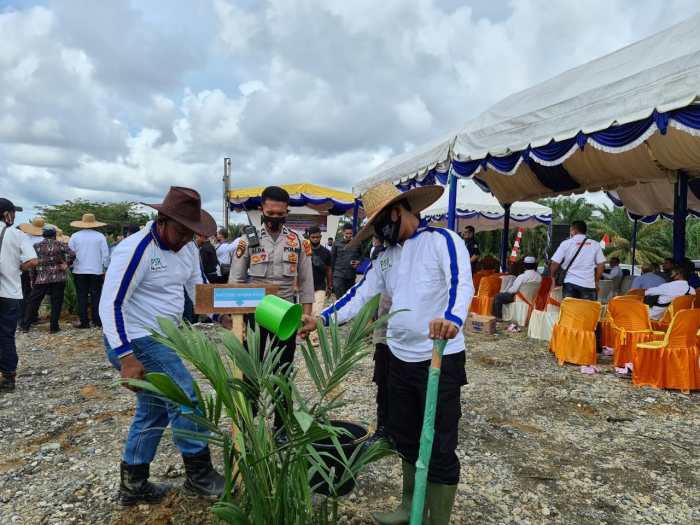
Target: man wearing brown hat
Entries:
(427, 274)
(146, 281)
(91, 260)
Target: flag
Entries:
(516, 245)
(605, 241)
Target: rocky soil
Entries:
(539, 443)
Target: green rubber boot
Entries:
(440, 501)
(401, 515)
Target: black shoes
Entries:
(201, 478)
(135, 487)
(7, 383)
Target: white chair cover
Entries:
(517, 310)
(542, 321)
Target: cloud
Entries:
(119, 100)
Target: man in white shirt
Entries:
(224, 252)
(660, 297)
(146, 281)
(583, 261)
(427, 274)
(615, 271)
(530, 275)
(17, 254)
(91, 260)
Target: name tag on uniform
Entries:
(157, 265)
(258, 258)
(385, 264)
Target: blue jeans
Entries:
(579, 292)
(153, 414)
(9, 315)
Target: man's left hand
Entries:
(442, 329)
(308, 325)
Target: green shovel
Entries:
(427, 434)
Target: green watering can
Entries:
(280, 317)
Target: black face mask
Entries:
(273, 223)
(388, 230)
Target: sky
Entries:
(119, 100)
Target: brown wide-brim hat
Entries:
(184, 205)
(36, 227)
(385, 194)
(88, 221)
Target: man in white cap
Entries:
(530, 275)
(91, 260)
(427, 274)
(16, 255)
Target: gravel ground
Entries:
(539, 443)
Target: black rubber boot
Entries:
(202, 479)
(7, 382)
(135, 487)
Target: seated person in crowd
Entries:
(693, 278)
(615, 271)
(649, 278)
(666, 268)
(660, 297)
(528, 276)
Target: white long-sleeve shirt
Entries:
(17, 249)
(430, 277)
(667, 292)
(528, 276)
(91, 252)
(613, 273)
(146, 281)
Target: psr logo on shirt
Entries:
(385, 264)
(157, 265)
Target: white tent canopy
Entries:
(612, 122)
(477, 208)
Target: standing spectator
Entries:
(648, 279)
(321, 264)
(472, 246)
(345, 260)
(660, 297)
(91, 260)
(615, 271)
(130, 229)
(16, 255)
(224, 252)
(54, 259)
(34, 229)
(530, 275)
(583, 261)
(208, 259)
(330, 242)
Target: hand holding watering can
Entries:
(283, 318)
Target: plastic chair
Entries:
(573, 337)
(607, 332)
(605, 290)
(625, 284)
(482, 303)
(478, 276)
(519, 310)
(682, 302)
(636, 291)
(542, 320)
(630, 326)
(696, 302)
(673, 362)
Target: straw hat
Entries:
(87, 222)
(35, 227)
(378, 197)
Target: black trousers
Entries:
(380, 377)
(26, 278)
(407, 389)
(498, 302)
(341, 285)
(286, 361)
(36, 296)
(579, 292)
(88, 288)
(9, 315)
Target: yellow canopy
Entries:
(295, 191)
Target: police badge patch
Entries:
(240, 249)
(307, 247)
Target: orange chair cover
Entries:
(636, 291)
(573, 337)
(673, 362)
(482, 303)
(543, 293)
(630, 326)
(682, 302)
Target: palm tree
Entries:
(566, 210)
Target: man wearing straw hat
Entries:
(91, 260)
(148, 276)
(427, 274)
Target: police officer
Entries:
(472, 246)
(282, 258)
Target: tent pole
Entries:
(680, 212)
(452, 201)
(504, 238)
(634, 244)
(355, 216)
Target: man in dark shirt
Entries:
(344, 262)
(208, 259)
(321, 264)
(472, 245)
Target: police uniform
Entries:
(284, 261)
(473, 249)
